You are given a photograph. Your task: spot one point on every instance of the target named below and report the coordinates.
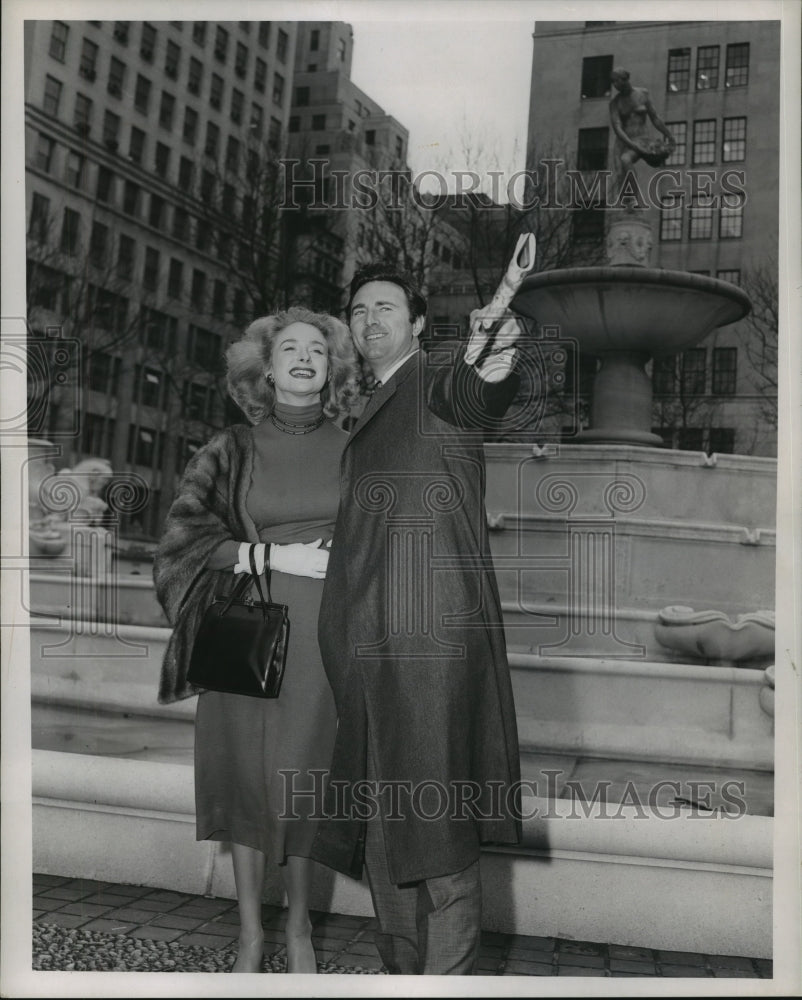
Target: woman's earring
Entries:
(269, 377)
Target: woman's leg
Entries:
(298, 882)
(249, 877)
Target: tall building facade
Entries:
(716, 85)
(148, 146)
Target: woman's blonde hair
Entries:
(248, 358)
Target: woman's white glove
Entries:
(300, 559)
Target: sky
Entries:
(449, 81)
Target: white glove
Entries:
(243, 558)
(300, 559)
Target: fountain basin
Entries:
(625, 316)
(642, 309)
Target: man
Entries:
(629, 111)
(425, 764)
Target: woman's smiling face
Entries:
(299, 363)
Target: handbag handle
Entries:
(242, 585)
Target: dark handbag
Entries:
(241, 645)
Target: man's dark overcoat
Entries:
(411, 629)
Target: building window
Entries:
(370, 137)
(198, 288)
(162, 159)
(237, 102)
(260, 76)
(195, 76)
(40, 218)
(43, 158)
(592, 148)
(70, 232)
(733, 143)
(203, 235)
(281, 45)
(707, 57)
(274, 134)
(731, 275)
(701, 219)
(105, 184)
(257, 116)
(232, 154)
(208, 182)
(58, 40)
(691, 439)
(264, 33)
(680, 132)
(157, 211)
(172, 60)
(731, 221)
(97, 434)
(131, 198)
(199, 32)
(587, 225)
(121, 31)
(220, 44)
(99, 244)
(150, 273)
(142, 94)
(241, 60)
(314, 40)
(399, 148)
(318, 123)
(725, 369)
(323, 149)
(111, 129)
(694, 371)
(228, 201)
(175, 279)
(278, 88)
(148, 44)
(722, 440)
(596, 71)
(160, 331)
(142, 447)
(205, 346)
(83, 114)
(341, 49)
(74, 171)
(704, 141)
(219, 299)
(125, 257)
(88, 65)
(166, 110)
(294, 124)
(190, 125)
(196, 401)
(216, 92)
(679, 70)
(116, 77)
(52, 96)
(186, 171)
(737, 71)
(136, 148)
(671, 223)
(103, 371)
(212, 139)
(302, 96)
(180, 223)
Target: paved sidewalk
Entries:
(341, 940)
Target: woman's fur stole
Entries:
(209, 508)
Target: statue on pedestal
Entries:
(629, 111)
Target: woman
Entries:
(275, 482)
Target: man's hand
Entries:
(495, 360)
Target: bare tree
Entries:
(759, 332)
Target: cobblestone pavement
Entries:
(346, 942)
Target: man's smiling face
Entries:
(381, 326)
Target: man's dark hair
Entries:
(387, 272)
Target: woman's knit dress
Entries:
(252, 753)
